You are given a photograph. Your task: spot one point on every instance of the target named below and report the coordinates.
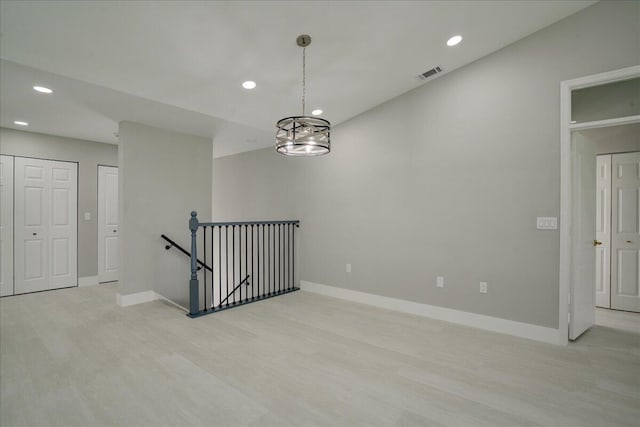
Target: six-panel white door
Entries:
(107, 224)
(45, 224)
(625, 232)
(6, 225)
(603, 230)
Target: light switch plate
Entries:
(547, 223)
(87, 216)
(440, 282)
(483, 287)
(348, 268)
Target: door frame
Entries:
(11, 226)
(566, 87)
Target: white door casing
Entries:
(603, 230)
(582, 306)
(566, 157)
(107, 224)
(6, 225)
(45, 233)
(625, 232)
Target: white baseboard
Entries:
(88, 281)
(175, 304)
(137, 298)
(142, 297)
(493, 324)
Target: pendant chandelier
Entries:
(303, 135)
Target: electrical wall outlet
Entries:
(440, 282)
(483, 287)
(348, 268)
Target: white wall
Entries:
(89, 155)
(164, 175)
(447, 179)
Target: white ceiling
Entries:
(180, 64)
(86, 111)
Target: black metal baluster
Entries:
(279, 258)
(274, 260)
(246, 259)
(240, 256)
(263, 260)
(213, 275)
(268, 277)
(204, 274)
(253, 283)
(273, 267)
(258, 260)
(219, 267)
(226, 259)
(293, 241)
(233, 261)
(288, 256)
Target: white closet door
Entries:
(107, 224)
(603, 230)
(45, 225)
(63, 225)
(625, 232)
(6, 225)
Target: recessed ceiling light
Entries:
(249, 84)
(454, 40)
(42, 89)
(316, 112)
(21, 123)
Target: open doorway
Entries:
(618, 245)
(601, 101)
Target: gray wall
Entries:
(445, 180)
(89, 155)
(254, 183)
(164, 175)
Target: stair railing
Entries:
(242, 262)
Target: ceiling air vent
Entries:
(429, 73)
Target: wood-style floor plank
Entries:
(74, 358)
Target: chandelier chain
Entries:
(304, 72)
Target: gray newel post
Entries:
(194, 299)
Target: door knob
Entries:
(629, 241)
(115, 231)
(596, 243)
(35, 234)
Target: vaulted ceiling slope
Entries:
(194, 55)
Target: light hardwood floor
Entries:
(74, 358)
(623, 320)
